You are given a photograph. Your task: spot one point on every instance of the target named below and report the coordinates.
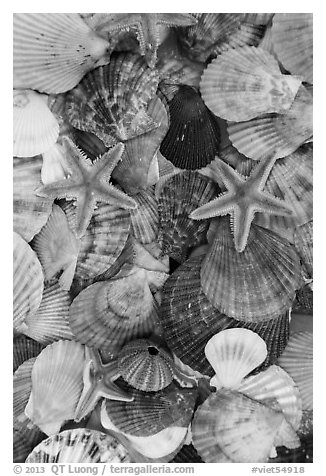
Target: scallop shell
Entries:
(297, 361)
(189, 320)
(246, 82)
(28, 282)
(24, 349)
(79, 445)
(111, 101)
(255, 285)
(258, 18)
(187, 454)
(233, 354)
(248, 34)
(35, 128)
(145, 365)
(303, 237)
(89, 143)
(53, 51)
(57, 383)
(145, 218)
(180, 195)
(30, 211)
(280, 134)
(23, 445)
(292, 35)
(54, 166)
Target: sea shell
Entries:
(145, 365)
(79, 445)
(24, 349)
(89, 143)
(303, 454)
(304, 300)
(35, 128)
(303, 236)
(187, 454)
(297, 361)
(57, 383)
(30, 211)
(193, 138)
(28, 282)
(180, 195)
(255, 285)
(23, 445)
(54, 166)
(233, 354)
(248, 34)
(258, 18)
(111, 101)
(292, 35)
(246, 82)
(53, 51)
(189, 320)
(145, 218)
(280, 134)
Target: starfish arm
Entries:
(114, 196)
(74, 159)
(176, 19)
(261, 171)
(89, 396)
(66, 188)
(85, 206)
(118, 21)
(220, 206)
(266, 203)
(240, 225)
(229, 176)
(107, 163)
(111, 391)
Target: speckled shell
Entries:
(292, 35)
(304, 300)
(145, 365)
(28, 282)
(79, 445)
(111, 101)
(30, 211)
(187, 328)
(151, 412)
(303, 237)
(255, 285)
(145, 218)
(53, 51)
(180, 195)
(246, 82)
(280, 134)
(297, 361)
(57, 383)
(230, 427)
(24, 349)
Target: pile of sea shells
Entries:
(162, 272)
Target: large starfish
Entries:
(244, 197)
(147, 28)
(88, 184)
(98, 382)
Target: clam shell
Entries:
(79, 445)
(57, 383)
(75, 49)
(28, 282)
(246, 82)
(255, 285)
(303, 236)
(233, 354)
(30, 211)
(111, 101)
(24, 349)
(193, 138)
(145, 218)
(35, 127)
(145, 365)
(292, 35)
(280, 134)
(297, 361)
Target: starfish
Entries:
(98, 382)
(88, 184)
(243, 199)
(147, 27)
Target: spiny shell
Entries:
(53, 51)
(145, 218)
(303, 236)
(24, 349)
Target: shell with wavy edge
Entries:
(145, 218)
(111, 101)
(24, 349)
(248, 34)
(303, 236)
(28, 282)
(255, 285)
(243, 83)
(53, 51)
(57, 383)
(233, 354)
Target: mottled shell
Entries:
(24, 349)
(303, 237)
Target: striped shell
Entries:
(303, 242)
(145, 218)
(24, 349)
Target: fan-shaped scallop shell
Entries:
(145, 218)
(258, 18)
(303, 236)
(179, 196)
(28, 282)
(297, 361)
(79, 445)
(255, 285)
(189, 320)
(24, 349)
(23, 445)
(57, 383)
(145, 365)
(53, 51)
(280, 134)
(111, 101)
(246, 82)
(292, 35)
(193, 138)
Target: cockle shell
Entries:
(248, 34)
(303, 237)
(145, 218)
(53, 51)
(24, 349)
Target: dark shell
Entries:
(24, 349)
(303, 454)
(303, 303)
(23, 445)
(89, 143)
(303, 238)
(187, 454)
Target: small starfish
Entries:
(88, 184)
(147, 27)
(243, 199)
(98, 382)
